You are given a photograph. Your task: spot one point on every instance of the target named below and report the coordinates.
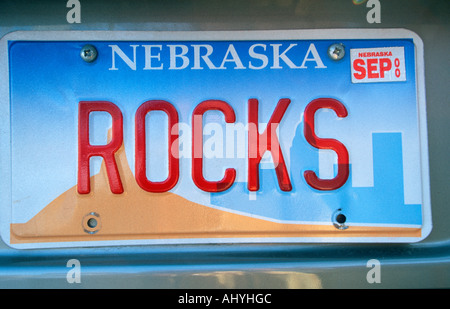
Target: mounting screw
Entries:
(339, 220)
(88, 53)
(336, 51)
(91, 223)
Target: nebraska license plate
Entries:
(121, 138)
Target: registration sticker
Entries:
(371, 65)
(141, 138)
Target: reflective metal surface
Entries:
(421, 265)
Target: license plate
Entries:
(122, 138)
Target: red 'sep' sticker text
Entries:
(370, 65)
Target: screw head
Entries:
(91, 223)
(88, 53)
(339, 219)
(336, 51)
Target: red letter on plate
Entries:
(358, 65)
(270, 143)
(322, 143)
(86, 150)
(197, 146)
(140, 164)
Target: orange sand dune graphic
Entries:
(137, 214)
